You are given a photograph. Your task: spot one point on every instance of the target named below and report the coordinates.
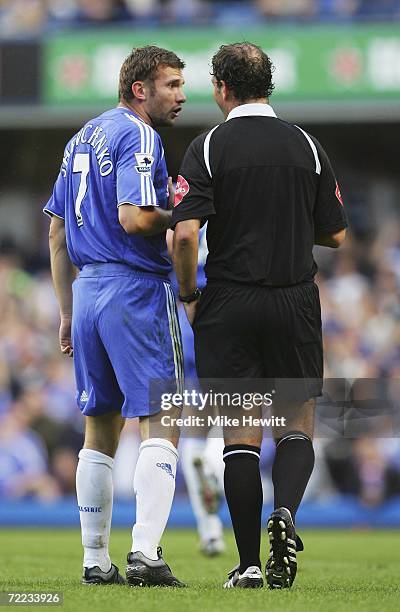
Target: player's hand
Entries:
(171, 192)
(64, 336)
(190, 310)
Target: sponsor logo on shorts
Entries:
(181, 189)
(84, 396)
(167, 467)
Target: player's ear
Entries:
(224, 90)
(138, 90)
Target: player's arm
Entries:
(63, 274)
(144, 220)
(329, 215)
(139, 221)
(139, 211)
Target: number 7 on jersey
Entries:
(81, 164)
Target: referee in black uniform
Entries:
(269, 194)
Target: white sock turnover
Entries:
(94, 490)
(154, 485)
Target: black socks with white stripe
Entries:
(291, 470)
(244, 495)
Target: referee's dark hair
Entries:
(246, 70)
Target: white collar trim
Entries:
(251, 110)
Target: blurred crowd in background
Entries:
(41, 427)
(33, 17)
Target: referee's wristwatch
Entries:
(192, 297)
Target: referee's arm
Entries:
(185, 255)
(329, 215)
(330, 240)
(193, 205)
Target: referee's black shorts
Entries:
(261, 333)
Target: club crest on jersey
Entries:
(181, 189)
(338, 194)
(144, 162)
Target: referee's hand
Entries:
(190, 310)
(64, 336)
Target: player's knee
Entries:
(105, 449)
(170, 438)
(156, 427)
(102, 442)
(102, 433)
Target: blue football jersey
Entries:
(114, 159)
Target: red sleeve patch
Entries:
(338, 194)
(181, 189)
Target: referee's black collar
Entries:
(251, 110)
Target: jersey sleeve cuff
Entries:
(51, 213)
(138, 204)
(330, 229)
(188, 216)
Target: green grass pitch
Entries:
(339, 570)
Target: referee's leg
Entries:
(291, 471)
(294, 457)
(243, 489)
(294, 358)
(227, 348)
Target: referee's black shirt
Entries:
(266, 188)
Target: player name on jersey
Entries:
(97, 139)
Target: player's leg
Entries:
(225, 349)
(157, 462)
(95, 494)
(215, 467)
(102, 432)
(199, 471)
(213, 454)
(154, 485)
(148, 348)
(297, 358)
(98, 397)
(204, 492)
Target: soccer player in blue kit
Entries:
(109, 215)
